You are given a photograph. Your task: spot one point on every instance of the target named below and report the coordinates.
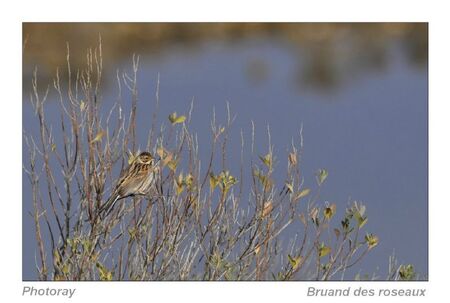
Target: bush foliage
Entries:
(203, 224)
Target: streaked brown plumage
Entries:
(137, 179)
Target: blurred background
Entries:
(360, 92)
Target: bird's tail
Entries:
(107, 207)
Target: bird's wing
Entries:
(124, 176)
(132, 182)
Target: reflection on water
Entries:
(326, 53)
(360, 92)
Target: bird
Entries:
(137, 179)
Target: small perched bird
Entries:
(137, 179)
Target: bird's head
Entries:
(145, 158)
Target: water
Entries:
(366, 126)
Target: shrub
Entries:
(203, 223)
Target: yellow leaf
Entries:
(165, 156)
(314, 215)
(131, 157)
(302, 194)
(172, 164)
(302, 218)
(213, 181)
(268, 206)
(363, 222)
(180, 179)
(179, 182)
(53, 147)
(95, 256)
(167, 159)
(161, 152)
(290, 187)
(292, 158)
(57, 257)
(322, 174)
(267, 160)
(174, 119)
(268, 185)
(265, 181)
(82, 105)
(98, 137)
(260, 176)
(329, 211)
(294, 261)
(193, 201)
(189, 180)
(371, 240)
(180, 119)
(324, 250)
(337, 232)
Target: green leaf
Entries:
(322, 174)
(294, 261)
(57, 257)
(87, 245)
(345, 224)
(225, 181)
(66, 268)
(407, 272)
(267, 160)
(291, 260)
(371, 240)
(132, 231)
(216, 260)
(324, 250)
(362, 222)
(358, 212)
(104, 273)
